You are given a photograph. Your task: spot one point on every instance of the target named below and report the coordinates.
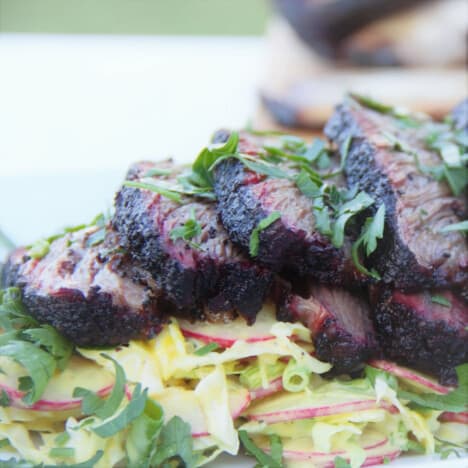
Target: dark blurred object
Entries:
(408, 53)
(325, 24)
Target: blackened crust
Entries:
(416, 332)
(394, 258)
(88, 321)
(92, 295)
(217, 282)
(281, 247)
(340, 325)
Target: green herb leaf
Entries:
(112, 403)
(441, 300)
(263, 458)
(307, 186)
(129, 413)
(170, 194)
(346, 212)
(341, 463)
(90, 401)
(157, 172)
(461, 226)
(262, 225)
(4, 398)
(96, 238)
(276, 448)
(175, 443)
(262, 167)
(13, 313)
(206, 349)
(39, 249)
(315, 150)
(140, 444)
(322, 217)
(39, 364)
(62, 438)
(372, 230)
(50, 339)
(62, 452)
(202, 167)
(190, 229)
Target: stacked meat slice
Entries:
(171, 250)
(418, 323)
(92, 294)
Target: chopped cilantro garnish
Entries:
(206, 349)
(461, 226)
(262, 225)
(263, 458)
(441, 300)
(190, 229)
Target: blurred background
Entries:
(88, 86)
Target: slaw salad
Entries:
(197, 390)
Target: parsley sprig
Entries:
(190, 229)
(40, 349)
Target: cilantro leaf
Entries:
(4, 398)
(307, 186)
(175, 443)
(263, 458)
(190, 229)
(13, 313)
(50, 339)
(201, 175)
(206, 349)
(140, 444)
(461, 226)
(372, 230)
(129, 413)
(441, 300)
(170, 194)
(39, 364)
(346, 211)
(322, 217)
(340, 462)
(262, 225)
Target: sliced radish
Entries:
(274, 386)
(227, 334)
(304, 405)
(414, 378)
(181, 402)
(376, 446)
(58, 395)
(448, 416)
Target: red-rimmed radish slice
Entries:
(448, 416)
(58, 395)
(414, 378)
(226, 334)
(184, 403)
(304, 405)
(376, 446)
(274, 386)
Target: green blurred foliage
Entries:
(185, 17)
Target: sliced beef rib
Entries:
(292, 242)
(418, 332)
(92, 295)
(205, 276)
(340, 324)
(414, 252)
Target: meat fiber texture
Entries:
(92, 295)
(204, 277)
(340, 324)
(418, 332)
(292, 243)
(414, 252)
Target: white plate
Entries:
(33, 206)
